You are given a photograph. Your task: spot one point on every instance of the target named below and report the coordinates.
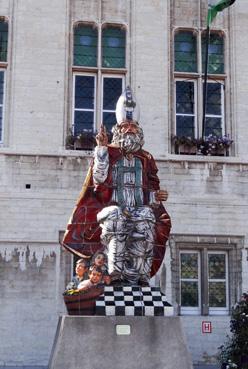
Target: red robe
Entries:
(83, 231)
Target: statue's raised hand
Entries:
(102, 137)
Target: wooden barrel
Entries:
(83, 303)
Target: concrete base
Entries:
(92, 342)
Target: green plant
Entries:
(210, 145)
(234, 353)
(84, 140)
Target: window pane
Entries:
(83, 120)
(85, 46)
(84, 92)
(109, 120)
(185, 126)
(215, 52)
(1, 86)
(217, 266)
(185, 52)
(189, 294)
(112, 89)
(3, 41)
(189, 265)
(113, 47)
(217, 294)
(213, 99)
(213, 126)
(185, 97)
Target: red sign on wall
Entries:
(206, 327)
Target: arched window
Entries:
(98, 80)
(185, 52)
(3, 40)
(113, 47)
(189, 68)
(85, 45)
(215, 53)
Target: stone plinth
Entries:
(119, 343)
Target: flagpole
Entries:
(205, 85)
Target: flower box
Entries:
(209, 146)
(82, 141)
(185, 150)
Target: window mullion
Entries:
(99, 45)
(99, 95)
(199, 83)
(223, 110)
(73, 103)
(200, 105)
(2, 105)
(204, 281)
(196, 109)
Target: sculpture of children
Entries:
(81, 270)
(95, 278)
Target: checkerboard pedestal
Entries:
(133, 301)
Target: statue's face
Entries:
(129, 127)
(80, 270)
(128, 135)
(95, 277)
(100, 260)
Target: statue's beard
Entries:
(128, 142)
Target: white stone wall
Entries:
(208, 196)
(240, 50)
(204, 346)
(35, 111)
(31, 282)
(150, 50)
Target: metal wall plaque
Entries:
(123, 330)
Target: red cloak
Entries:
(82, 236)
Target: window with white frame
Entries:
(186, 108)
(204, 282)
(99, 59)
(206, 273)
(84, 87)
(189, 65)
(190, 281)
(112, 88)
(3, 67)
(215, 109)
(218, 299)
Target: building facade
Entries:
(63, 64)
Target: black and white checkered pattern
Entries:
(142, 301)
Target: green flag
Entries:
(214, 9)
